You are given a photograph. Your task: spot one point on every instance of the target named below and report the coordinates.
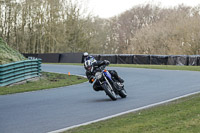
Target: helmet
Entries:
(88, 65)
(85, 54)
(91, 58)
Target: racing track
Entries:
(50, 110)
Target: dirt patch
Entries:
(27, 80)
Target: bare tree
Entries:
(48, 26)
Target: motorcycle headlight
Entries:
(98, 75)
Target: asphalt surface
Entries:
(49, 110)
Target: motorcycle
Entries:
(111, 86)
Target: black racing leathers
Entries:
(96, 67)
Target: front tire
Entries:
(110, 92)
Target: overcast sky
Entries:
(109, 8)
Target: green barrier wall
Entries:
(18, 71)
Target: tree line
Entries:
(47, 26)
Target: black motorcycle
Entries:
(111, 86)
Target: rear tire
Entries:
(122, 93)
(110, 92)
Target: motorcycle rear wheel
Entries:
(122, 93)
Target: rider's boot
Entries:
(120, 80)
(120, 83)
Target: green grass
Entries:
(47, 81)
(77, 64)
(180, 116)
(165, 67)
(7, 54)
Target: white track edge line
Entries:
(122, 113)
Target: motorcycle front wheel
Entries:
(110, 92)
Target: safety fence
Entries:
(58, 57)
(18, 71)
(191, 60)
(188, 60)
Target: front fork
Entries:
(115, 88)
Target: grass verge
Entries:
(165, 67)
(180, 116)
(47, 81)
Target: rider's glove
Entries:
(91, 80)
(106, 62)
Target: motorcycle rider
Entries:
(92, 66)
(86, 56)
